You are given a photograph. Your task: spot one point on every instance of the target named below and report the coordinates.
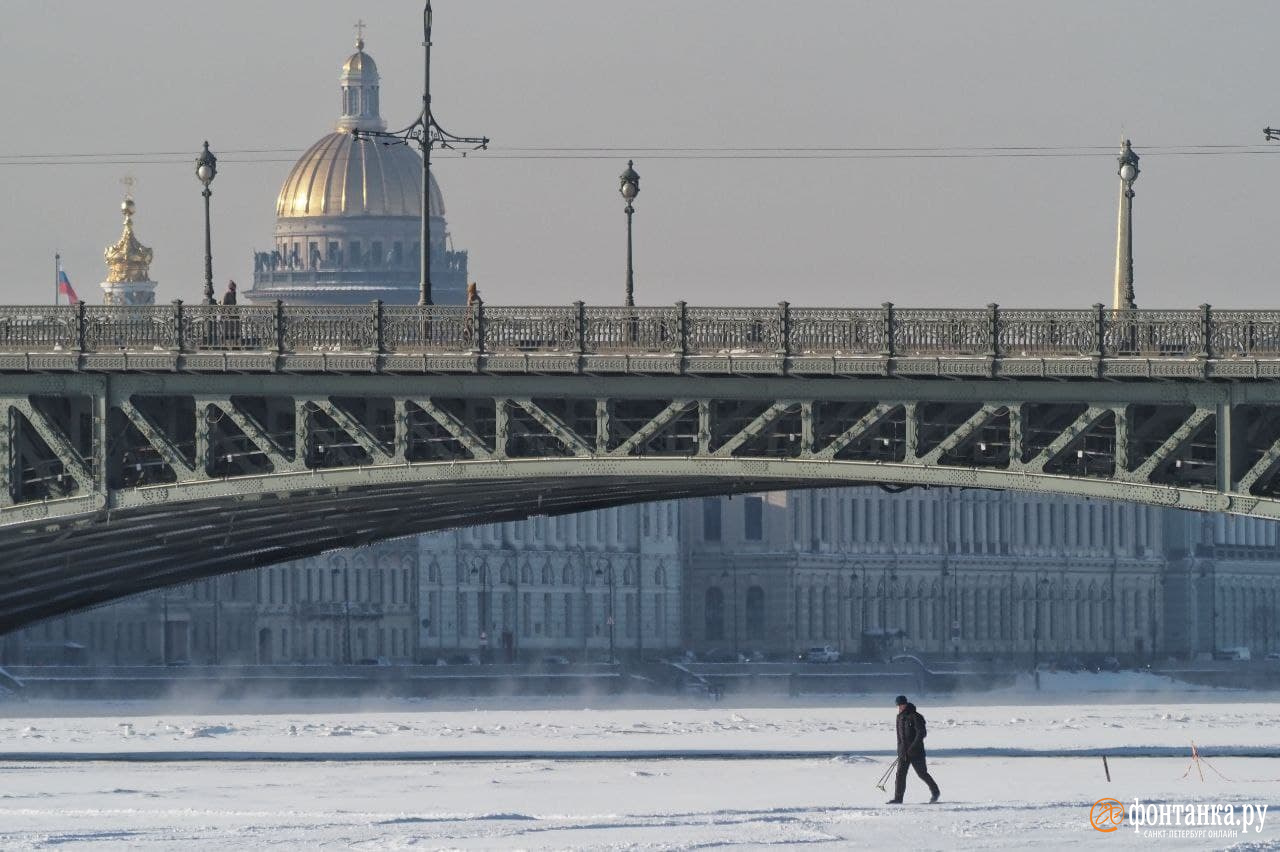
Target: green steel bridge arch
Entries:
(145, 447)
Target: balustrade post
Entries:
(1099, 329)
(1206, 331)
(81, 326)
(993, 330)
(279, 327)
(377, 327)
(481, 325)
(784, 344)
(682, 327)
(580, 318)
(889, 330)
(178, 338)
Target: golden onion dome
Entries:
(339, 176)
(128, 260)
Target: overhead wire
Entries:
(756, 153)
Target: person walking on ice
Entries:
(911, 734)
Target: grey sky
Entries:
(147, 76)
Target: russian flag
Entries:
(65, 288)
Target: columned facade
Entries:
(553, 585)
(938, 572)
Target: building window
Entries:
(713, 612)
(376, 257)
(755, 613)
(711, 519)
(753, 518)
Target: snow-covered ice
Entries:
(1013, 774)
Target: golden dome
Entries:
(338, 176)
(360, 62)
(128, 259)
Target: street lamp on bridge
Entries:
(1122, 298)
(606, 571)
(629, 187)
(206, 171)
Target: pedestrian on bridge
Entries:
(911, 734)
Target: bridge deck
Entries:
(784, 340)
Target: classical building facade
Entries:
(938, 572)
(574, 585)
(348, 216)
(963, 573)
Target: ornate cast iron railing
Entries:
(678, 330)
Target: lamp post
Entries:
(724, 575)
(601, 572)
(346, 609)
(206, 171)
(217, 619)
(1035, 636)
(1122, 298)
(482, 574)
(629, 187)
(428, 135)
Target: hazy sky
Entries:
(147, 76)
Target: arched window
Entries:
(713, 612)
(526, 573)
(755, 613)
(659, 576)
(546, 574)
(566, 575)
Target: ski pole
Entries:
(884, 779)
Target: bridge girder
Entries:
(115, 483)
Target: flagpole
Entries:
(57, 267)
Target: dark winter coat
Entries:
(911, 733)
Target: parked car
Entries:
(1239, 654)
(1274, 655)
(1110, 664)
(373, 661)
(820, 654)
(554, 661)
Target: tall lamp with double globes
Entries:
(206, 171)
(629, 186)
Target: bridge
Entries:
(148, 446)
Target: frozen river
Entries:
(659, 776)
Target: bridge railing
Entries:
(677, 330)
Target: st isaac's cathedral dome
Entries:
(349, 213)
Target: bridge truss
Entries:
(185, 450)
